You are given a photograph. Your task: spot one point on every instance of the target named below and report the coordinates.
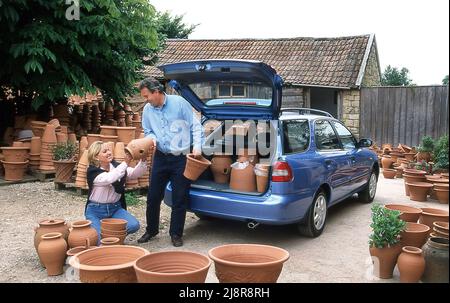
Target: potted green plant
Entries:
(64, 160)
(440, 152)
(425, 149)
(384, 243)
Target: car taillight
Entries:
(281, 172)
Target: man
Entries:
(170, 121)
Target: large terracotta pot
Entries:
(248, 263)
(387, 161)
(80, 231)
(172, 267)
(418, 191)
(411, 264)
(140, 147)
(195, 167)
(64, 170)
(411, 178)
(108, 130)
(108, 264)
(384, 260)
(243, 179)
(389, 173)
(430, 215)
(408, 213)
(415, 234)
(442, 195)
(14, 171)
(91, 138)
(52, 251)
(50, 226)
(125, 134)
(435, 252)
(15, 154)
(221, 168)
(114, 224)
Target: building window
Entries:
(227, 90)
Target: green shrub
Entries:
(386, 227)
(441, 153)
(427, 145)
(132, 199)
(64, 151)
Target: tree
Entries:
(48, 57)
(173, 27)
(445, 80)
(394, 77)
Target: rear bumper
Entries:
(267, 209)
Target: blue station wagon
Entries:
(315, 161)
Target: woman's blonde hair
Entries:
(93, 152)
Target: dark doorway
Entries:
(324, 99)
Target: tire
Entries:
(308, 228)
(366, 196)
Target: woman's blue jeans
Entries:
(98, 211)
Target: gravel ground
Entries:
(340, 254)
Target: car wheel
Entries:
(315, 218)
(368, 193)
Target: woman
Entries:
(106, 180)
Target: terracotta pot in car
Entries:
(221, 168)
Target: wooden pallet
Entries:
(83, 192)
(43, 176)
(26, 179)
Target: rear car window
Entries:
(296, 136)
(325, 136)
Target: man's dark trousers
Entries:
(168, 167)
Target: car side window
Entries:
(325, 136)
(296, 136)
(347, 139)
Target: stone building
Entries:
(320, 73)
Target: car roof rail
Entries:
(302, 110)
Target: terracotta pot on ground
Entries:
(110, 241)
(61, 137)
(64, 170)
(35, 145)
(411, 178)
(435, 252)
(15, 154)
(442, 227)
(91, 138)
(430, 215)
(108, 264)
(418, 191)
(50, 226)
(442, 195)
(125, 134)
(415, 172)
(82, 230)
(221, 168)
(384, 260)
(248, 263)
(119, 151)
(73, 251)
(14, 171)
(387, 161)
(52, 251)
(415, 234)
(408, 213)
(411, 264)
(140, 147)
(114, 224)
(106, 138)
(243, 177)
(49, 135)
(172, 267)
(195, 167)
(108, 130)
(389, 173)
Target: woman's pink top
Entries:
(103, 191)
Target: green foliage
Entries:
(394, 77)
(427, 145)
(64, 151)
(386, 227)
(132, 199)
(173, 27)
(441, 153)
(445, 80)
(423, 165)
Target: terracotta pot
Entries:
(49, 135)
(409, 156)
(50, 226)
(415, 172)
(112, 232)
(91, 138)
(250, 154)
(411, 264)
(14, 171)
(114, 224)
(17, 144)
(108, 264)
(61, 137)
(195, 167)
(35, 145)
(399, 172)
(172, 267)
(120, 237)
(140, 147)
(418, 191)
(389, 173)
(221, 168)
(408, 213)
(262, 177)
(107, 138)
(64, 170)
(411, 178)
(248, 263)
(387, 161)
(84, 160)
(52, 251)
(435, 252)
(80, 231)
(110, 241)
(439, 234)
(15, 154)
(415, 234)
(72, 138)
(430, 215)
(423, 156)
(441, 226)
(119, 151)
(125, 134)
(73, 251)
(442, 195)
(384, 260)
(108, 130)
(243, 179)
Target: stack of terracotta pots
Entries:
(114, 228)
(81, 178)
(137, 122)
(62, 136)
(126, 134)
(35, 153)
(87, 113)
(109, 115)
(128, 115)
(96, 118)
(413, 175)
(91, 138)
(61, 113)
(119, 152)
(120, 118)
(83, 146)
(440, 229)
(48, 141)
(15, 161)
(144, 181)
(38, 128)
(132, 183)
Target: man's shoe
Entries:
(177, 241)
(145, 237)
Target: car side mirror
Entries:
(365, 143)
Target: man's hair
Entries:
(151, 84)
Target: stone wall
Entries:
(293, 97)
(372, 75)
(350, 110)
